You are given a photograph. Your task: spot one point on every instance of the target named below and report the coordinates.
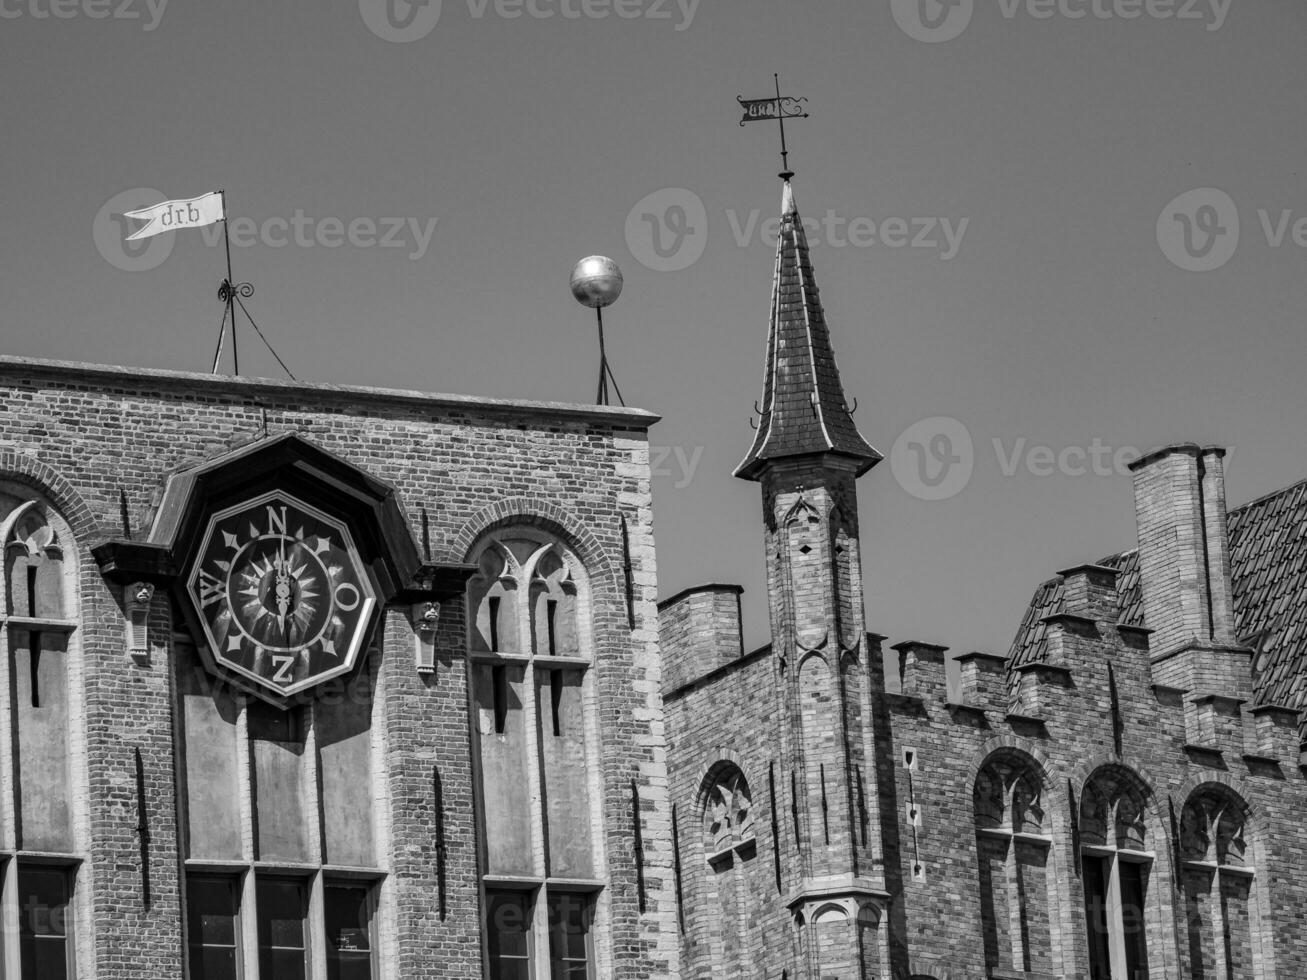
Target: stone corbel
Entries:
(139, 596)
(426, 617)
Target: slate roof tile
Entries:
(803, 406)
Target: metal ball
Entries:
(596, 282)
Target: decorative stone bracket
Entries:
(426, 617)
(136, 601)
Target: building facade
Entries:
(1119, 797)
(306, 681)
(320, 682)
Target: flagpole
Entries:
(231, 289)
(222, 335)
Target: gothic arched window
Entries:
(38, 584)
(1013, 847)
(1218, 878)
(731, 847)
(1116, 863)
(529, 652)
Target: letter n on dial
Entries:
(281, 593)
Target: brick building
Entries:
(306, 681)
(324, 682)
(1119, 797)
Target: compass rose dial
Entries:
(281, 592)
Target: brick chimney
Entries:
(1184, 570)
(1184, 547)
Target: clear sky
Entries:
(1051, 136)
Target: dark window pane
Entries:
(213, 963)
(281, 929)
(1134, 878)
(211, 907)
(349, 933)
(1095, 882)
(508, 935)
(569, 936)
(43, 923)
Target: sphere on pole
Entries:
(596, 282)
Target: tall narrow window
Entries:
(349, 932)
(1218, 878)
(38, 614)
(530, 676)
(1094, 875)
(283, 906)
(569, 936)
(508, 935)
(732, 849)
(1116, 866)
(212, 927)
(43, 926)
(1013, 847)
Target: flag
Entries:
(756, 110)
(171, 215)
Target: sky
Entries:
(1048, 234)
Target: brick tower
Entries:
(807, 455)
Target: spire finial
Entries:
(779, 108)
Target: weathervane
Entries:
(780, 108)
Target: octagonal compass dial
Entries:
(281, 593)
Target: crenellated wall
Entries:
(1120, 756)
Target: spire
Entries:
(803, 407)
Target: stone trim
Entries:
(46, 480)
(1254, 818)
(1009, 743)
(526, 510)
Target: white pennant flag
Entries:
(172, 215)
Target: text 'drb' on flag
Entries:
(172, 215)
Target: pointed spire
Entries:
(803, 407)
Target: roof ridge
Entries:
(1268, 496)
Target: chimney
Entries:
(1184, 548)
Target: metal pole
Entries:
(231, 288)
(780, 117)
(222, 334)
(602, 397)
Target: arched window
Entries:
(529, 653)
(731, 848)
(38, 863)
(1013, 847)
(1218, 879)
(728, 812)
(1116, 862)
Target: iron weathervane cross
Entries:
(778, 108)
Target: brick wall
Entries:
(699, 631)
(86, 435)
(1097, 711)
